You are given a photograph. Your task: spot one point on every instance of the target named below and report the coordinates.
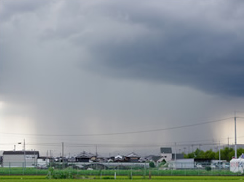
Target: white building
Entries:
(182, 164)
(43, 162)
(237, 165)
(166, 154)
(20, 158)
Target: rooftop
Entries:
(21, 152)
(166, 150)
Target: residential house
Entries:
(166, 154)
(71, 159)
(1, 160)
(152, 158)
(85, 157)
(117, 158)
(132, 157)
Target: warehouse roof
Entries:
(20, 152)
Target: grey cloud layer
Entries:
(204, 51)
(198, 44)
(69, 64)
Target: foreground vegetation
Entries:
(103, 173)
(123, 179)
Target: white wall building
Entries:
(182, 164)
(166, 154)
(20, 158)
(237, 165)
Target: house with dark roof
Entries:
(20, 158)
(118, 158)
(85, 157)
(152, 158)
(166, 154)
(132, 157)
(101, 159)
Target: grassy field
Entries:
(157, 178)
(134, 172)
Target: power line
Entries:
(123, 133)
(70, 145)
(128, 145)
(239, 117)
(179, 143)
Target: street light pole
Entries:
(219, 152)
(175, 151)
(24, 153)
(63, 154)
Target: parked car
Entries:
(213, 166)
(227, 166)
(199, 166)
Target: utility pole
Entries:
(96, 152)
(24, 154)
(175, 151)
(229, 142)
(219, 152)
(62, 150)
(63, 154)
(235, 138)
(175, 156)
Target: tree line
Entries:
(225, 154)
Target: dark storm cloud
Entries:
(193, 43)
(201, 47)
(204, 65)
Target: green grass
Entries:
(23, 171)
(135, 172)
(136, 179)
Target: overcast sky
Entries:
(109, 73)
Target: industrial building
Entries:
(20, 158)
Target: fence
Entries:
(120, 169)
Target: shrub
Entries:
(52, 174)
(151, 164)
(208, 168)
(108, 177)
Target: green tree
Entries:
(190, 155)
(227, 153)
(216, 155)
(240, 151)
(209, 154)
(199, 154)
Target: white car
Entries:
(199, 166)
